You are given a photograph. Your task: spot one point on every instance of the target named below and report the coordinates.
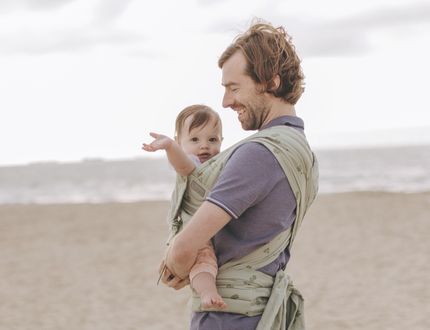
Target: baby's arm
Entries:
(182, 164)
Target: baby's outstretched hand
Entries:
(161, 142)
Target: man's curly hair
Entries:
(269, 52)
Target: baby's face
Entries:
(203, 141)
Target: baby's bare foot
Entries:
(212, 300)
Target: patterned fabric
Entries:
(246, 290)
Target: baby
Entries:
(198, 137)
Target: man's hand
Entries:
(169, 279)
(161, 142)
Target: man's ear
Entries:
(275, 83)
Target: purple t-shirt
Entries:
(254, 190)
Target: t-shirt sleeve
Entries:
(194, 159)
(249, 176)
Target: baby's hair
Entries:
(202, 114)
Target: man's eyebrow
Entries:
(230, 84)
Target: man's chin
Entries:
(247, 127)
(244, 125)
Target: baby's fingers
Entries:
(154, 135)
(147, 147)
(181, 284)
(173, 282)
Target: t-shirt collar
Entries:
(286, 120)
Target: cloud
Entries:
(109, 10)
(9, 5)
(348, 35)
(66, 40)
(210, 2)
(314, 37)
(392, 16)
(351, 35)
(39, 33)
(105, 10)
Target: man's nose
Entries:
(227, 100)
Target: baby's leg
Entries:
(204, 284)
(203, 275)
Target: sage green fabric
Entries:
(246, 290)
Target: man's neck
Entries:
(284, 109)
(279, 109)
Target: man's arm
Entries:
(182, 164)
(206, 222)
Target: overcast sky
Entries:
(91, 78)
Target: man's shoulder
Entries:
(250, 150)
(250, 156)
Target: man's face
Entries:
(241, 94)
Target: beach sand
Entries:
(361, 260)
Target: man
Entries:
(263, 189)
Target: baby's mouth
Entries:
(204, 156)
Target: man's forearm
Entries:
(205, 223)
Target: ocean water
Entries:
(394, 169)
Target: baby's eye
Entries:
(213, 140)
(194, 139)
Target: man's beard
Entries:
(255, 115)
